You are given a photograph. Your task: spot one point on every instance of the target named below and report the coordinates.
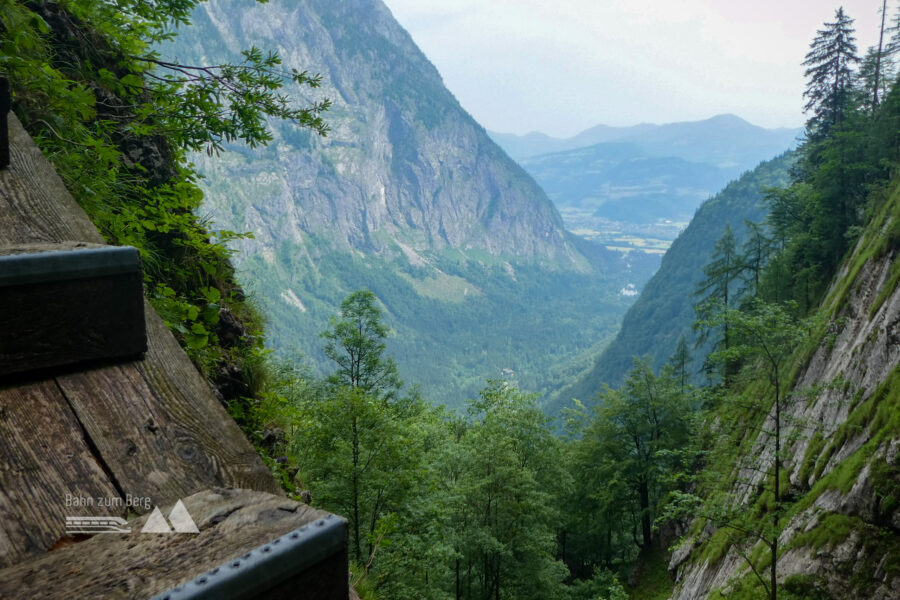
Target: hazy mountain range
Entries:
(647, 172)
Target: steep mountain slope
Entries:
(840, 537)
(407, 196)
(664, 310)
(408, 165)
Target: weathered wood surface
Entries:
(158, 427)
(34, 204)
(154, 426)
(140, 565)
(44, 458)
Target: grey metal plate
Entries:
(64, 265)
(263, 568)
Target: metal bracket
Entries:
(65, 264)
(5, 106)
(266, 567)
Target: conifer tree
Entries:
(680, 362)
(717, 290)
(755, 252)
(829, 64)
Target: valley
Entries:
(638, 187)
(658, 362)
(406, 196)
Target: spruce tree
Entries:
(716, 292)
(756, 251)
(829, 64)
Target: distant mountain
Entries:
(723, 140)
(621, 182)
(664, 310)
(407, 196)
(726, 141)
(648, 172)
(535, 143)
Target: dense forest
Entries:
(491, 501)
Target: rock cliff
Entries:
(841, 537)
(404, 169)
(407, 196)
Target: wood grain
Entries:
(147, 428)
(158, 426)
(44, 458)
(35, 206)
(137, 565)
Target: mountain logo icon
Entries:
(180, 519)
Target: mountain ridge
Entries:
(537, 143)
(663, 311)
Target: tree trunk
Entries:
(644, 492)
(878, 58)
(355, 483)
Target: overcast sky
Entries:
(561, 66)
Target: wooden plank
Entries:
(44, 459)
(35, 206)
(158, 426)
(139, 565)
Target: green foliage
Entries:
(664, 311)
(831, 530)
(510, 314)
(507, 475)
(805, 587)
(356, 344)
(830, 63)
(622, 458)
(652, 577)
(117, 122)
(602, 586)
(839, 181)
(717, 295)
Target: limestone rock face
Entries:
(403, 166)
(860, 352)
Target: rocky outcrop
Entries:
(842, 538)
(403, 165)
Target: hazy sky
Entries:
(561, 66)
